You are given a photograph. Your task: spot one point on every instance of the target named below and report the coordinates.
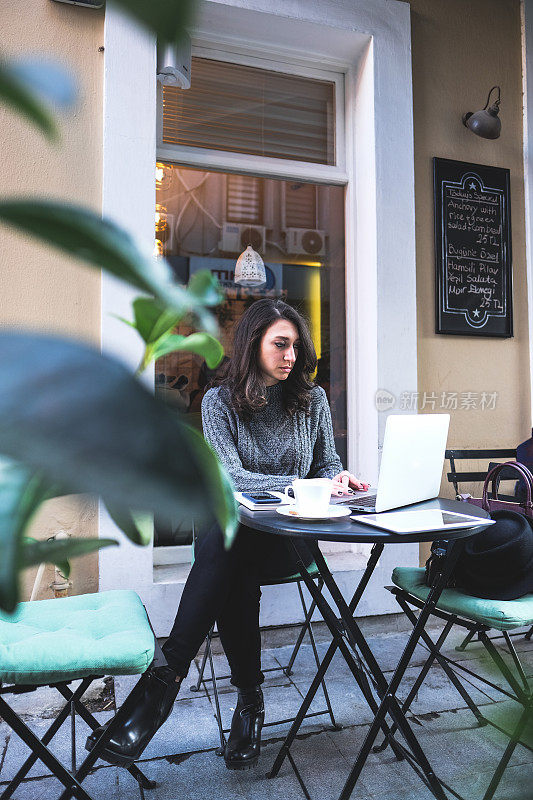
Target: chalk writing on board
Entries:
(473, 248)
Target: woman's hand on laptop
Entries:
(345, 481)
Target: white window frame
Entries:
(371, 41)
(280, 168)
(243, 163)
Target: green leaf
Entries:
(91, 427)
(59, 551)
(137, 526)
(218, 487)
(206, 288)
(101, 243)
(203, 344)
(21, 494)
(15, 92)
(13, 484)
(168, 19)
(152, 320)
(46, 79)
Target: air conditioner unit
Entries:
(236, 236)
(305, 241)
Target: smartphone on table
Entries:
(261, 498)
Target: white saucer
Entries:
(333, 513)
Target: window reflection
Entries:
(204, 220)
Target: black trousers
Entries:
(224, 586)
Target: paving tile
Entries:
(102, 784)
(389, 649)
(437, 693)
(515, 785)
(305, 663)
(17, 752)
(322, 766)
(46, 702)
(191, 727)
(347, 701)
(382, 775)
(193, 776)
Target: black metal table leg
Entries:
(389, 705)
(302, 552)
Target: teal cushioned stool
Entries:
(504, 615)
(48, 641)
(287, 669)
(478, 616)
(54, 642)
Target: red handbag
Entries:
(493, 504)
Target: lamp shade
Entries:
(486, 123)
(250, 269)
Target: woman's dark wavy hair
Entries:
(242, 376)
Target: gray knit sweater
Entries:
(273, 448)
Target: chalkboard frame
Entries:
(451, 323)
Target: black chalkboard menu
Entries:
(472, 249)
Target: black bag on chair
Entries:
(497, 563)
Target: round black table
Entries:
(346, 530)
(302, 539)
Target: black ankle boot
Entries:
(150, 703)
(244, 743)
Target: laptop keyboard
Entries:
(369, 502)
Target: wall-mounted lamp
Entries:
(485, 123)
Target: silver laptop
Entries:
(411, 463)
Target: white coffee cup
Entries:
(312, 496)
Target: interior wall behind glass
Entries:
(204, 220)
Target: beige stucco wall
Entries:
(460, 49)
(41, 288)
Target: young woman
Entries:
(268, 424)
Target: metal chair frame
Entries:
(456, 478)
(519, 689)
(73, 778)
(287, 670)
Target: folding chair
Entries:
(287, 670)
(472, 476)
(479, 616)
(55, 642)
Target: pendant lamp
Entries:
(250, 269)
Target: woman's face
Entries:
(278, 350)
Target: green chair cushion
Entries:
(47, 641)
(312, 569)
(503, 615)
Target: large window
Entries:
(204, 220)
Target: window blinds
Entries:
(244, 199)
(249, 110)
